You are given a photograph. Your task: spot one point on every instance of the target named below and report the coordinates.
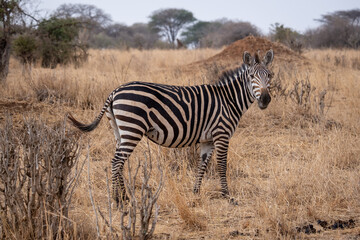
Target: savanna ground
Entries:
(290, 167)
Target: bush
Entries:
(287, 36)
(59, 42)
(36, 180)
(146, 205)
(25, 48)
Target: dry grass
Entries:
(289, 166)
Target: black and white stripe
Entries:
(175, 116)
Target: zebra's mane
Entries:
(231, 75)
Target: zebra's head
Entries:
(259, 76)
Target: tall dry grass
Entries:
(288, 166)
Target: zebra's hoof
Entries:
(121, 200)
(232, 201)
(125, 198)
(115, 205)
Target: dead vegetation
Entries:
(39, 168)
(145, 204)
(292, 168)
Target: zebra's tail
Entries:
(89, 127)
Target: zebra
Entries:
(181, 116)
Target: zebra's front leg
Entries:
(206, 150)
(221, 146)
(117, 167)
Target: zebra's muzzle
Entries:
(264, 100)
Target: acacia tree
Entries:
(168, 22)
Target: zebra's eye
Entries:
(252, 75)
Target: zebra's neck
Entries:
(233, 86)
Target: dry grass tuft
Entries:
(191, 219)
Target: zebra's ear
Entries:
(269, 56)
(247, 58)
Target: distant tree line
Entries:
(217, 33)
(67, 34)
(340, 29)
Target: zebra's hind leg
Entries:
(206, 150)
(117, 163)
(129, 140)
(117, 167)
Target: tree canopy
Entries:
(168, 22)
(89, 15)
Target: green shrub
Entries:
(25, 48)
(60, 45)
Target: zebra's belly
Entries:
(158, 137)
(171, 139)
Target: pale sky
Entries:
(298, 15)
